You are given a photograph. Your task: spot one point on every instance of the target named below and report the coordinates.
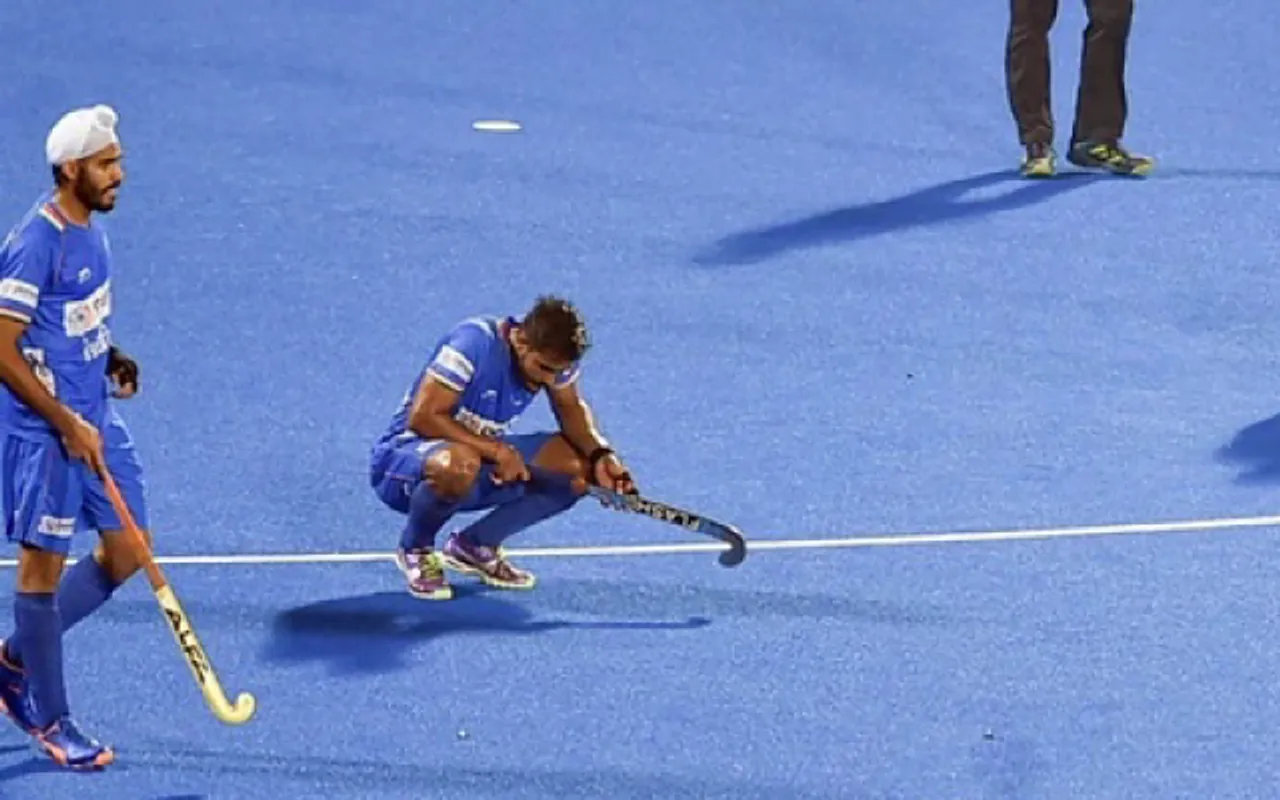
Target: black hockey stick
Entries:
(660, 511)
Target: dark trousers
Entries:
(1101, 106)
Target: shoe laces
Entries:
(1109, 151)
(426, 562)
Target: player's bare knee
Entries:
(39, 571)
(560, 456)
(452, 471)
(577, 467)
(121, 568)
(119, 558)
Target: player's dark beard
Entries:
(91, 196)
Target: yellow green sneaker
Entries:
(1038, 161)
(1111, 157)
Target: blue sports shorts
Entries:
(396, 468)
(48, 497)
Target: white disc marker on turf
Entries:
(496, 125)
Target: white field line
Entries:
(894, 540)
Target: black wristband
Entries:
(596, 455)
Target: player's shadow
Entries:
(466, 771)
(629, 598)
(933, 205)
(1244, 175)
(35, 765)
(374, 633)
(1255, 450)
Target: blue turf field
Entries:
(823, 307)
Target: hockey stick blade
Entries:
(201, 669)
(180, 624)
(688, 520)
(663, 512)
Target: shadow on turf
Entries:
(40, 765)
(371, 633)
(932, 205)
(35, 765)
(440, 774)
(1256, 451)
(626, 598)
(1243, 175)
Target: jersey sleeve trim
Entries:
(452, 367)
(435, 375)
(18, 294)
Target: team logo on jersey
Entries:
(81, 316)
(96, 346)
(479, 425)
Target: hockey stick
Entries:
(660, 511)
(180, 624)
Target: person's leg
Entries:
(92, 581)
(1027, 68)
(43, 497)
(1101, 102)
(426, 480)
(478, 549)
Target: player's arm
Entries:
(81, 439)
(577, 424)
(21, 379)
(431, 417)
(22, 274)
(436, 399)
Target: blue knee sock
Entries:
(40, 635)
(539, 502)
(427, 515)
(84, 589)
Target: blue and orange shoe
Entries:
(15, 697)
(63, 742)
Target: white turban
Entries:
(81, 133)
